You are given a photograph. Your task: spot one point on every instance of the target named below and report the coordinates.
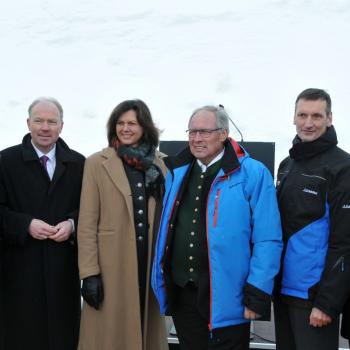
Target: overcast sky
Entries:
(253, 57)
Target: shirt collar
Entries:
(51, 154)
(205, 167)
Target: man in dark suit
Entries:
(40, 183)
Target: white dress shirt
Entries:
(218, 157)
(51, 162)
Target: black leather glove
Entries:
(92, 291)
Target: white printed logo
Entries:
(346, 206)
(310, 191)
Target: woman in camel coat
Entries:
(120, 205)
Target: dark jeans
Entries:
(293, 331)
(192, 327)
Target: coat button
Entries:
(140, 211)
(140, 224)
(191, 269)
(139, 184)
(140, 198)
(140, 238)
(191, 245)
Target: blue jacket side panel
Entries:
(305, 257)
(172, 186)
(246, 211)
(266, 227)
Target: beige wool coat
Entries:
(107, 246)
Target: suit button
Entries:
(140, 211)
(139, 184)
(191, 245)
(191, 269)
(140, 238)
(140, 224)
(140, 198)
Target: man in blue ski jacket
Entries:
(313, 189)
(219, 242)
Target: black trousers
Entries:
(192, 328)
(293, 331)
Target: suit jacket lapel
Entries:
(59, 171)
(63, 156)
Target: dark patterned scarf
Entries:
(141, 158)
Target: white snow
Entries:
(253, 57)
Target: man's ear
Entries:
(329, 119)
(223, 135)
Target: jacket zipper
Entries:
(224, 177)
(210, 325)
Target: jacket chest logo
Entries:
(307, 190)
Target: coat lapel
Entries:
(115, 169)
(63, 156)
(59, 171)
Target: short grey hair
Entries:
(47, 100)
(222, 120)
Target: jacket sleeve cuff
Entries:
(257, 301)
(325, 307)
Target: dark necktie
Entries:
(43, 161)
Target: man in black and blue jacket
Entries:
(313, 189)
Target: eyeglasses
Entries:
(205, 133)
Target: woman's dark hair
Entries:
(150, 131)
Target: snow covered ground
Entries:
(253, 57)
